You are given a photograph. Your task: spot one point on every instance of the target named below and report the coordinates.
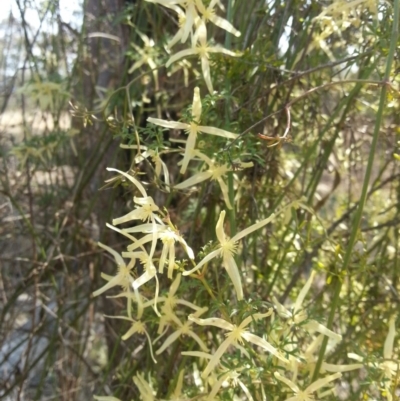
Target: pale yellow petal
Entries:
(313, 325)
(212, 321)
(225, 193)
(234, 275)
(118, 258)
(188, 155)
(210, 256)
(224, 24)
(322, 382)
(303, 293)
(171, 339)
(194, 180)
(205, 68)
(216, 357)
(388, 347)
(179, 55)
(168, 124)
(288, 382)
(253, 228)
(217, 132)
(196, 106)
(138, 185)
(264, 344)
(219, 229)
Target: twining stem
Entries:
(359, 211)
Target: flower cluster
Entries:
(235, 342)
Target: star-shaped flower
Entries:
(215, 172)
(203, 50)
(236, 335)
(228, 248)
(307, 394)
(296, 315)
(192, 128)
(183, 329)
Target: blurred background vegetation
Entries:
(69, 96)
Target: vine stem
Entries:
(359, 213)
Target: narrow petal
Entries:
(168, 124)
(288, 382)
(388, 347)
(145, 277)
(198, 340)
(199, 354)
(224, 24)
(171, 261)
(210, 256)
(163, 257)
(216, 357)
(172, 338)
(217, 132)
(219, 229)
(220, 49)
(303, 293)
(341, 368)
(196, 105)
(133, 215)
(138, 185)
(225, 193)
(282, 311)
(166, 175)
(264, 344)
(322, 382)
(188, 249)
(212, 321)
(175, 39)
(233, 272)
(130, 332)
(205, 68)
(188, 155)
(175, 285)
(253, 228)
(117, 256)
(116, 280)
(191, 15)
(181, 54)
(315, 326)
(194, 180)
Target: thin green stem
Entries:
(361, 204)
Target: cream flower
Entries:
(306, 395)
(124, 276)
(390, 366)
(236, 335)
(145, 210)
(187, 18)
(155, 157)
(182, 330)
(193, 128)
(168, 237)
(227, 250)
(297, 315)
(208, 14)
(145, 390)
(145, 54)
(137, 327)
(171, 300)
(203, 50)
(228, 378)
(215, 172)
